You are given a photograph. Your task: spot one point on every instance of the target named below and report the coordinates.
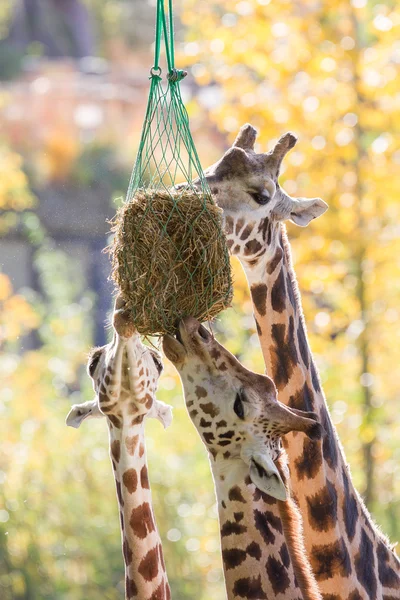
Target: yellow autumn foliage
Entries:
(14, 189)
(329, 73)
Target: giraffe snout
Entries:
(122, 320)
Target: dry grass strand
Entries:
(169, 259)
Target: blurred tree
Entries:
(76, 29)
(61, 28)
(15, 195)
(36, 28)
(329, 73)
(123, 24)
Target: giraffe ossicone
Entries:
(125, 376)
(241, 422)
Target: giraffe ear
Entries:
(80, 412)
(266, 477)
(162, 412)
(304, 210)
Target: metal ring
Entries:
(155, 71)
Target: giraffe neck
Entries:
(338, 531)
(262, 547)
(145, 575)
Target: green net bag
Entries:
(169, 253)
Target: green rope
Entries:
(158, 38)
(166, 26)
(167, 155)
(158, 130)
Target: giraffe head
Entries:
(245, 185)
(125, 376)
(235, 410)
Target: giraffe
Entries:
(241, 422)
(125, 375)
(351, 558)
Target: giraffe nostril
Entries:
(178, 336)
(203, 333)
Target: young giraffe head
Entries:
(235, 410)
(125, 376)
(245, 185)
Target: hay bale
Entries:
(169, 259)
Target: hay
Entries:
(169, 259)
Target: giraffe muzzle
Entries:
(174, 349)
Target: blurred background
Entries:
(73, 91)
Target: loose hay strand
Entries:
(168, 258)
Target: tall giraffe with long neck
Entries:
(125, 375)
(241, 423)
(350, 557)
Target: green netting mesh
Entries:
(169, 253)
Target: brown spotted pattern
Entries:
(262, 550)
(256, 234)
(125, 376)
(255, 552)
(335, 520)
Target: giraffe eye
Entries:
(158, 363)
(238, 406)
(262, 197)
(93, 364)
